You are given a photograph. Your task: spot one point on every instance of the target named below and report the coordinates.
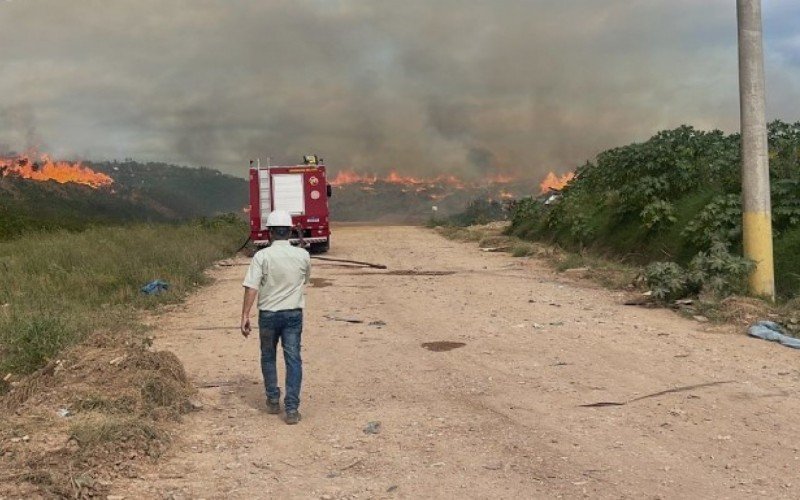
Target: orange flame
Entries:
(450, 180)
(552, 182)
(349, 177)
(344, 177)
(395, 178)
(46, 169)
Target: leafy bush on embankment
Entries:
(59, 286)
(673, 198)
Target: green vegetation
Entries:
(478, 212)
(717, 273)
(674, 200)
(151, 192)
(45, 206)
(606, 272)
(183, 191)
(59, 286)
(521, 250)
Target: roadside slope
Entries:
(498, 417)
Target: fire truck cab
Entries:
(301, 190)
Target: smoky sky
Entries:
(423, 86)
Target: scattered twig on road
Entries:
(352, 464)
(221, 383)
(415, 272)
(344, 320)
(172, 476)
(655, 394)
(347, 261)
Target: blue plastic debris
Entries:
(155, 287)
(769, 330)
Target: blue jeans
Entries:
(288, 327)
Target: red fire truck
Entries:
(301, 190)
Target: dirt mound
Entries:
(95, 414)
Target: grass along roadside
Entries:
(57, 287)
(492, 237)
(734, 310)
(86, 397)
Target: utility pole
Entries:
(756, 206)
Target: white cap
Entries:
(279, 218)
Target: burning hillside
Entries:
(40, 167)
(403, 198)
(345, 177)
(551, 182)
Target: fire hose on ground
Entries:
(329, 259)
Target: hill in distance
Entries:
(184, 192)
(42, 195)
(125, 191)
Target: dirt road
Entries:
(499, 417)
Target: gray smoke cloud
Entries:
(426, 87)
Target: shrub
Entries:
(527, 209)
(787, 263)
(479, 211)
(719, 221)
(786, 203)
(719, 272)
(667, 281)
(521, 250)
(36, 339)
(716, 272)
(658, 214)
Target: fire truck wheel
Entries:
(321, 247)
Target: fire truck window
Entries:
(329, 190)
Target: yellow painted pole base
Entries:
(757, 228)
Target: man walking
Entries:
(278, 275)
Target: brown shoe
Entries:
(273, 407)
